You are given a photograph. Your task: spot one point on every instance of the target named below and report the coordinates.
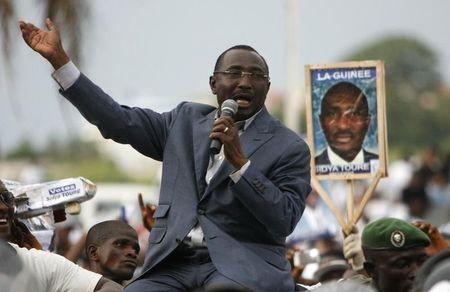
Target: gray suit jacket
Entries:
(244, 224)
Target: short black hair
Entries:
(101, 232)
(347, 88)
(238, 47)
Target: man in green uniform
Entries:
(394, 250)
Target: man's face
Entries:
(118, 256)
(6, 210)
(249, 92)
(396, 270)
(345, 120)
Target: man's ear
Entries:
(92, 252)
(322, 121)
(212, 84)
(370, 269)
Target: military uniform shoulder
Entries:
(361, 279)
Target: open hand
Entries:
(438, 242)
(46, 43)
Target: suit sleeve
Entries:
(144, 129)
(278, 199)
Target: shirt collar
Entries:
(337, 160)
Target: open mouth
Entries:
(343, 137)
(130, 263)
(243, 100)
(3, 221)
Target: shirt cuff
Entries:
(66, 75)
(236, 176)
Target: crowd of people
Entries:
(388, 255)
(223, 218)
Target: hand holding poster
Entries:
(346, 125)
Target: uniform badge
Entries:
(397, 238)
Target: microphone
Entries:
(228, 109)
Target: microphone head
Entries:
(229, 106)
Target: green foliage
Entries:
(25, 150)
(70, 151)
(417, 107)
(71, 159)
(98, 169)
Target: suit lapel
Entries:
(201, 142)
(256, 135)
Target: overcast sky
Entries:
(156, 53)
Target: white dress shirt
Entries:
(337, 160)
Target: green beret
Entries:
(392, 234)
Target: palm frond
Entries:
(69, 16)
(6, 17)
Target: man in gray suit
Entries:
(222, 219)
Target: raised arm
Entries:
(143, 129)
(46, 43)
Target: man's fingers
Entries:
(220, 128)
(350, 238)
(24, 28)
(218, 135)
(350, 250)
(141, 203)
(227, 121)
(50, 25)
(150, 211)
(22, 25)
(31, 27)
(28, 30)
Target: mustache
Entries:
(244, 94)
(343, 133)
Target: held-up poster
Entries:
(346, 119)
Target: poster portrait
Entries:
(346, 120)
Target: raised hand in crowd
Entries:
(12, 229)
(47, 43)
(76, 250)
(296, 271)
(23, 237)
(438, 242)
(297, 267)
(147, 211)
(353, 251)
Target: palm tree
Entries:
(6, 15)
(68, 14)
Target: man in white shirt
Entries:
(39, 270)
